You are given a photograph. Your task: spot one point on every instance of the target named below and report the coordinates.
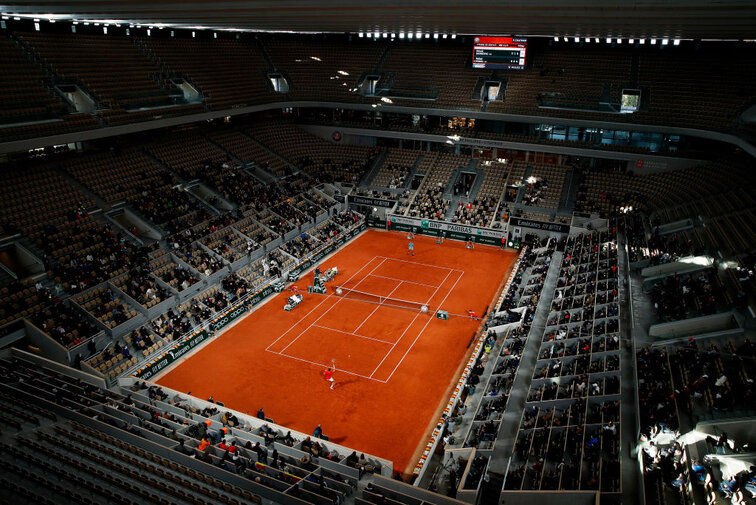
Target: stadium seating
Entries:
(227, 72)
(26, 97)
(110, 68)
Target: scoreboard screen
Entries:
(499, 52)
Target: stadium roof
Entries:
(696, 19)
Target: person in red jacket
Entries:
(328, 374)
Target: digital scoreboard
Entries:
(499, 52)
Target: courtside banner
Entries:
(450, 230)
(170, 356)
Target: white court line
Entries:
(325, 366)
(377, 307)
(421, 331)
(329, 308)
(321, 303)
(351, 333)
(423, 264)
(402, 280)
(411, 323)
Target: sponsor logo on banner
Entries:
(427, 224)
(373, 202)
(538, 225)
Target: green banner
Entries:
(450, 230)
(170, 356)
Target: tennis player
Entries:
(328, 374)
(411, 249)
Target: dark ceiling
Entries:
(727, 19)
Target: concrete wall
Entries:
(693, 326)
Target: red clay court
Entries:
(396, 365)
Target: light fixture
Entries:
(642, 41)
(653, 42)
(619, 41)
(676, 42)
(385, 35)
(556, 39)
(410, 35)
(577, 39)
(361, 34)
(435, 35)
(427, 35)
(566, 39)
(631, 41)
(608, 40)
(454, 35)
(587, 39)
(665, 42)
(401, 35)
(596, 40)
(446, 35)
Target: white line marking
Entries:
(423, 264)
(325, 366)
(321, 303)
(411, 323)
(377, 307)
(421, 331)
(408, 282)
(329, 308)
(351, 333)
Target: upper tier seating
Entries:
(324, 69)
(227, 72)
(111, 67)
(325, 161)
(24, 96)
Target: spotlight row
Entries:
(612, 40)
(407, 35)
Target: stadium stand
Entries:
(227, 72)
(616, 366)
(29, 99)
(111, 69)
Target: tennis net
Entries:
(353, 294)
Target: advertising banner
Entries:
(449, 230)
(539, 225)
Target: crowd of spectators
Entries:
(475, 213)
(62, 321)
(235, 285)
(347, 218)
(301, 246)
(429, 203)
(534, 191)
(680, 296)
(202, 261)
(326, 231)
